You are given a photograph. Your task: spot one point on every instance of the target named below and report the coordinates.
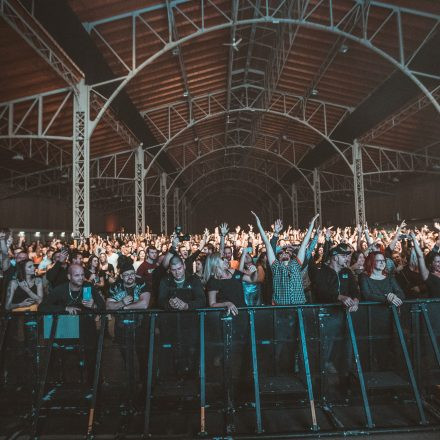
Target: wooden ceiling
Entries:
(319, 67)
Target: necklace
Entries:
(74, 299)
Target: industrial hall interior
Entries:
(219, 218)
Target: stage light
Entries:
(343, 48)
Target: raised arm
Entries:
(223, 232)
(305, 242)
(269, 251)
(359, 238)
(393, 242)
(172, 251)
(420, 257)
(367, 235)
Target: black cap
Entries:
(340, 249)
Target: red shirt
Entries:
(145, 271)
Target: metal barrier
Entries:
(248, 376)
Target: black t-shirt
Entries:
(230, 289)
(433, 285)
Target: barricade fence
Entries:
(281, 370)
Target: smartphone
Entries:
(87, 293)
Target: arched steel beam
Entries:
(232, 147)
(246, 108)
(305, 20)
(252, 170)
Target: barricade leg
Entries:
(202, 374)
(149, 374)
(42, 383)
(409, 365)
(96, 377)
(227, 374)
(359, 371)
(431, 333)
(3, 334)
(305, 357)
(416, 341)
(255, 371)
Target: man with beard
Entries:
(68, 297)
(286, 269)
(332, 283)
(130, 329)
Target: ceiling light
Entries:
(314, 92)
(37, 234)
(284, 137)
(395, 180)
(50, 234)
(185, 94)
(343, 48)
(92, 186)
(175, 51)
(63, 234)
(18, 156)
(65, 175)
(436, 166)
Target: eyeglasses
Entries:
(128, 274)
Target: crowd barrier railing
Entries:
(378, 343)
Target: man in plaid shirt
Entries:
(286, 270)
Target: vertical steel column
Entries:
(280, 206)
(176, 206)
(163, 204)
(270, 212)
(81, 161)
(358, 175)
(317, 194)
(139, 191)
(294, 207)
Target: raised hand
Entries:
(256, 218)
(278, 226)
(437, 226)
(314, 219)
(224, 229)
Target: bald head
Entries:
(75, 273)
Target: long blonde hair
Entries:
(213, 267)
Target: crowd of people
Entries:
(224, 269)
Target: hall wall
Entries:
(418, 200)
